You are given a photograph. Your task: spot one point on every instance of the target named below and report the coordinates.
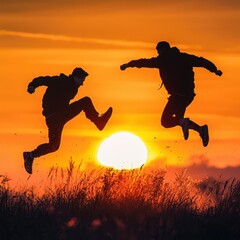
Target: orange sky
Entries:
(45, 38)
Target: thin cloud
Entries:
(64, 38)
(200, 168)
(30, 5)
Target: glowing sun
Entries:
(122, 150)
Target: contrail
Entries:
(52, 37)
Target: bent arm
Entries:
(143, 62)
(41, 81)
(205, 63)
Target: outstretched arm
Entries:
(210, 66)
(143, 62)
(202, 62)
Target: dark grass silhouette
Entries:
(106, 204)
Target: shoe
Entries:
(184, 123)
(203, 132)
(28, 161)
(103, 119)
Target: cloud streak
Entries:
(199, 169)
(30, 5)
(64, 38)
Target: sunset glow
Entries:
(122, 150)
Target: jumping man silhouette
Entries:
(176, 72)
(58, 110)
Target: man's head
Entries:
(79, 76)
(162, 47)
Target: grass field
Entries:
(121, 205)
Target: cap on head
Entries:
(79, 72)
(162, 46)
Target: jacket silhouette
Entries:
(61, 89)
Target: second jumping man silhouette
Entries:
(176, 72)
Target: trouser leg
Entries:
(56, 123)
(193, 125)
(84, 104)
(174, 111)
(54, 135)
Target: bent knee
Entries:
(54, 147)
(165, 124)
(86, 100)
